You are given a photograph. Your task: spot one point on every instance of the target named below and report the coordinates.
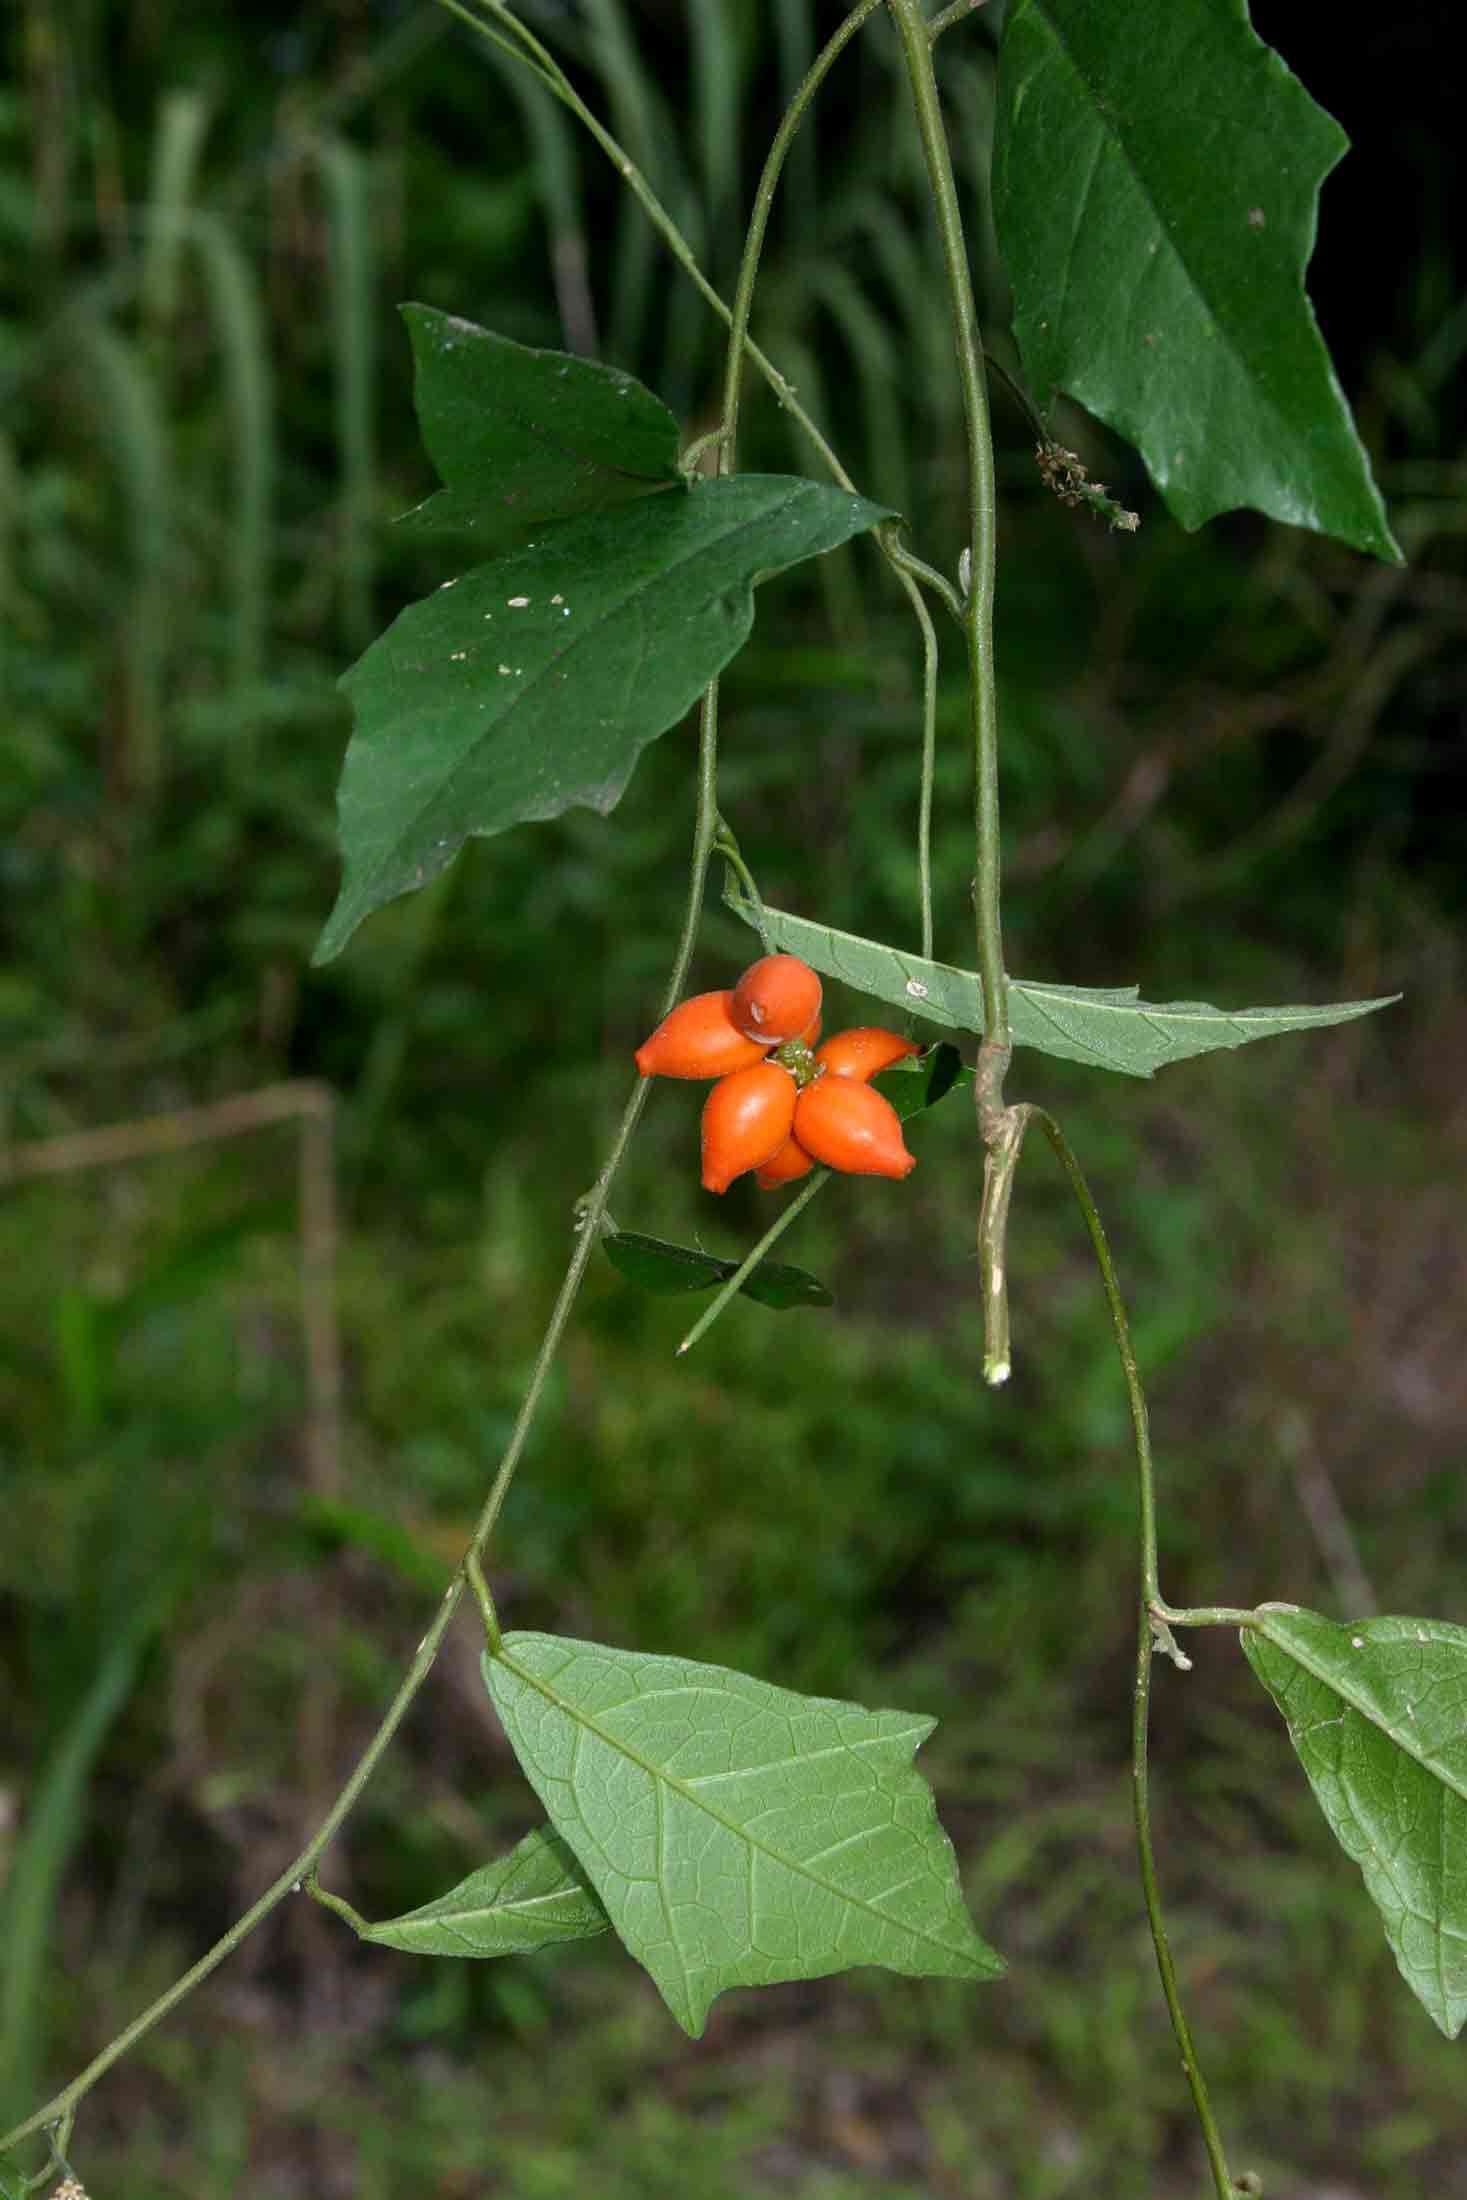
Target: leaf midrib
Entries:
(1330, 1680)
(1105, 129)
(1047, 1000)
(656, 1773)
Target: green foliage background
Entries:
(1229, 769)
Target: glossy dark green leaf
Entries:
(1155, 194)
(737, 1833)
(526, 1900)
(1377, 1713)
(1105, 1026)
(669, 1271)
(532, 685)
(914, 1087)
(522, 437)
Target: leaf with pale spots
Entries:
(1106, 1026)
(1377, 1714)
(738, 1834)
(531, 685)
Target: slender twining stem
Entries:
(914, 32)
(526, 48)
(588, 1230)
(727, 846)
(743, 300)
(906, 561)
(1151, 1606)
(750, 1262)
(312, 1886)
(929, 762)
(530, 52)
(950, 15)
(906, 568)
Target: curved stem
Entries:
(914, 32)
(950, 15)
(1150, 1601)
(726, 845)
(588, 1224)
(906, 568)
(556, 81)
(923, 617)
(794, 115)
(905, 561)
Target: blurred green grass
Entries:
(1224, 777)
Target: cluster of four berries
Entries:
(782, 1101)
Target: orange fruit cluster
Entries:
(781, 1101)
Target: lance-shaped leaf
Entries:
(1155, 195)
(1106, 1026)
(1378, 1715)
(531, 685)
(670, 1271)
(524, 1901)
(737, 1833)
(522, 437)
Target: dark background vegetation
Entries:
(1233, 770)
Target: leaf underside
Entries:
(1377, 1713)
(522, 437)
(531, 685)
(1107, 1027)
(1156, 198)
(672, 1271)
(535, 1896)
(737, 1833)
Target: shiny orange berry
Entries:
(746, 1119)
(698, 1039)
(864, 1052)
(849, 1126)
(790, 1162)
(777, 998)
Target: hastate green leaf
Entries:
(1106, 1026)
(1377, 1713)
(522, 437)
(526, 1900)
(1155, 194)
(671, 1271)
(531, 685)
(737, 1833)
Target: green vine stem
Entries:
(727, 846)
(951, 15)
(738, 325)
(516, 39)
(1152, 1608)
(915, 33)
(525, 48)
(58, 2111)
